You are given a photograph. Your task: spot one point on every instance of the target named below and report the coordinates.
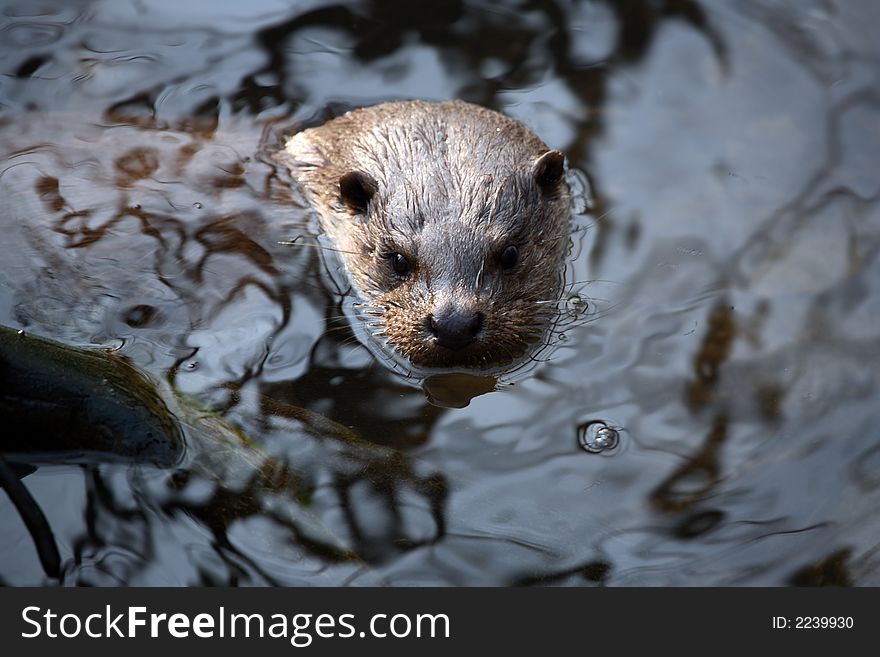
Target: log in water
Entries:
(64, 400)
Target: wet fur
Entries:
(454, 184)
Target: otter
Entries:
(452, 221)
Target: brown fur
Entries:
(449, 185)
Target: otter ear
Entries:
(548, 170)
(356, 188)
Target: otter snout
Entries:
(455, 328)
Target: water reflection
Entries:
(726, 255)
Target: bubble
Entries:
(197, 205)
(576, 305)
(192, 365)
(115, 345)
(596, 436)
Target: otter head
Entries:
(460, 269)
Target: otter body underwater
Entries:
(452, 221)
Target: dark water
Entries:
(730, 255)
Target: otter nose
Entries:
(455, 329)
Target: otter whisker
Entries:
(350, 340)
(322, 247)
(604, 214)
(584, 227)
(597, 280)
(337, 330)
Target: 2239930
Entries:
(823, 622)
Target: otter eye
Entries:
(509, 257)
(400, 264)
